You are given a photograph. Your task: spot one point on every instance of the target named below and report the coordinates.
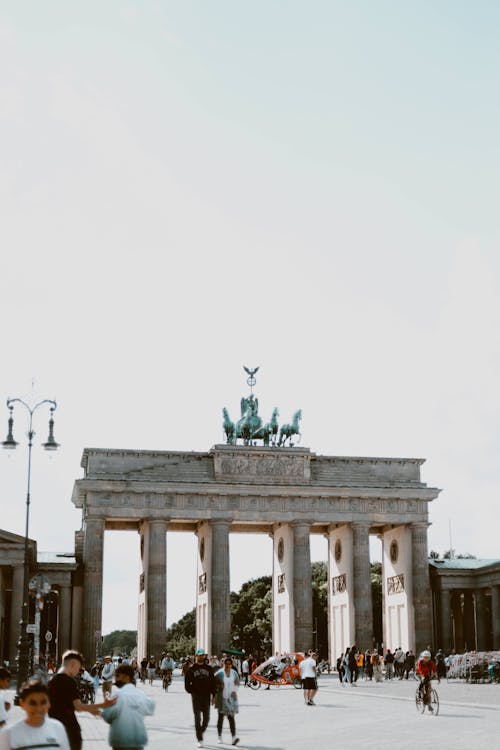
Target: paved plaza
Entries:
(368, 715)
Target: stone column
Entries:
(76, 609)
(302, 586)
(468, 622)
(93, 549)
(458, 620)
(16, 608)
(482, 621)
(446, 640)
(495, 616)
(220, 594)
(362, 590)
(421, 587)
(64, 619)
(155, 585)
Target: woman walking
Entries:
(226, 698)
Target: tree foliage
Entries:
(450, 554)
(181, 636)
(120, 642)
(251, 616)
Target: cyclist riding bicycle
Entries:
(426, 669)
(167, 666)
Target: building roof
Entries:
(462, 563)
(56, 557)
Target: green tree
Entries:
(120, 642)
(181, 636)
(251, 613)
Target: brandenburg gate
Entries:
(276, 488)
(286, 492)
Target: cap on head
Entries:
(426, 654)
(200, 652)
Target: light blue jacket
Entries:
(126, 717)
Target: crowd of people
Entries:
(210, 681)
(374, 664)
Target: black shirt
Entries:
(63, 690)
(200, 680)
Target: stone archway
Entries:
(288, 493)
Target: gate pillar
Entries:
(362, 590)
(397, 576)
(283, 605)
(421, 589)
(204, 588)
(93, 548)
(220, 604)
(302, 586)
(340, 591)
(213, 601)
(153, 589)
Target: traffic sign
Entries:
(31, 628)
(48, 636)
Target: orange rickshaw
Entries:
(278, 670)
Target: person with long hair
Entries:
(226, 698)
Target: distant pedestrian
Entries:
(200, 683)
(340, 669)
(151, 669)
(308, 672)
(226, 698)
(107, 674)
(126, 716)
(409, 663)
(389, 665)
(4, 703)
(36, 730)
(95, 674)
(375, 661)
(64, 698)
(244, 671)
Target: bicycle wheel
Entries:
(419, 702)
(254, 684)
(297, 683)
(435, 701)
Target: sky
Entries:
(312, 188)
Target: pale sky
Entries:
(312, 187)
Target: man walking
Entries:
(308, 673)
(199, 681)
(64, 698)
(244, 670)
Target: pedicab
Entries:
(273, 672)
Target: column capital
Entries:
(359, 524)
(219, 521)
(301, 522)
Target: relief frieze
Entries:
(262, 467)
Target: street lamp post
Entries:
(50, 445)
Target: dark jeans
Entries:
(232, 725)
(201, 706)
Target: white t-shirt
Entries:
(50, 734)
(307, 668)
(3, 712)
(244, 667)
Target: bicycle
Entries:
(166, 679)
(419, 700)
